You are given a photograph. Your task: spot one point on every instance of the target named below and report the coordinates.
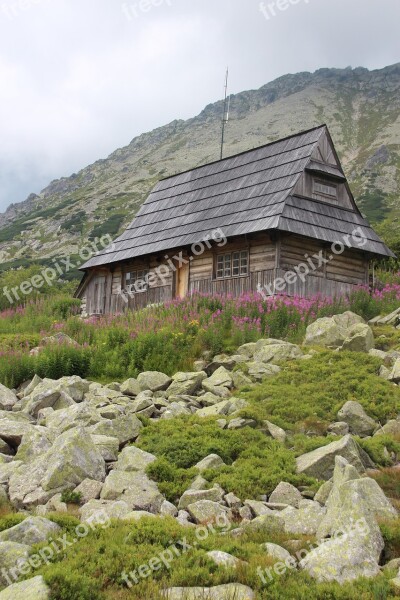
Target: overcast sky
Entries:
(80, 78)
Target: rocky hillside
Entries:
(361, 107)
(178, 488)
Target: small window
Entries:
(235, 264)
(136, 281)
(325, 189)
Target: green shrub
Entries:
(70, 497)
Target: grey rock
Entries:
(32, 530)
(204, 512)
(31, 589)
(212, 461)
(134, 459)
(154, 381)
(230, 591)
(286, 493)
(359, 422)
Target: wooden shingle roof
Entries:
(241, 194)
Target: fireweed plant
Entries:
(165, 337)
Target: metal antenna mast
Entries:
(225, 117)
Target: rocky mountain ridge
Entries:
(361, 108)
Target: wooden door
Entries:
(99, 295)
(182, 281)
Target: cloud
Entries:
(79, 78)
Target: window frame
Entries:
(327, 184)
(226, 263)
(135, 275)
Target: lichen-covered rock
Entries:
(134, 459)
(340, 428)
(154, 381)
(258, 508)
(125, 428)
(78, 415)
(226, 408)
(31, 589)
(229, 591)
(10, 553)
(7, 470)
(7, 398)
(277, 552)
(107, 446)
(274, 431)
(98, 510)
(355, 416)
(130, 387)
(12, 431)
(224, 559)
(44, 395)
(89, 489)
(331, 332)
(276, 353)
(257, 370)
(214, 494)
(320, 463)
(72, 458)
(204, 512)
(286, 493)
(391, 428)
(212, 461)
(269, 524)
(323, 493)
(136, 489)
(220, 377)
(168, 509)
(360, 338)
(186, 383)
(32, 530)
(304, 520)
(35, 443)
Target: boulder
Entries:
(214, 494)
(340, 428)
(229, 591)
(226, 407)
(320, 463)
(269, 524)
(212, 461)
(168, 509)
(130, 387)
(323, 493)
(391, 428)
(242, 423)
(35, 443)
(89, 489)
(32, 530)
(209, 399)
(286, 493)
(331, 332)
(205, 512)
(134, 459)
(224, 559)
(199, 483)
(394, 373)
(220, 377)
(186, 383)
(304, 520)
(136, 489)
(31, 386)
(107, 446)
(341, 559)
(12, 431)
(72, 458)
(78, 415)
(257, 370)
(274, 431)
(359, 338)
(125, 428)
(277, 552)
(258, 508)
(10, 554)
(276, 353)
(31, 589)
(95, 510)
(45, 395)
(154, 381)
(357, 419)
(7, 398)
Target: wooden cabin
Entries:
(250, 222)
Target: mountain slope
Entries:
(361, 108)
